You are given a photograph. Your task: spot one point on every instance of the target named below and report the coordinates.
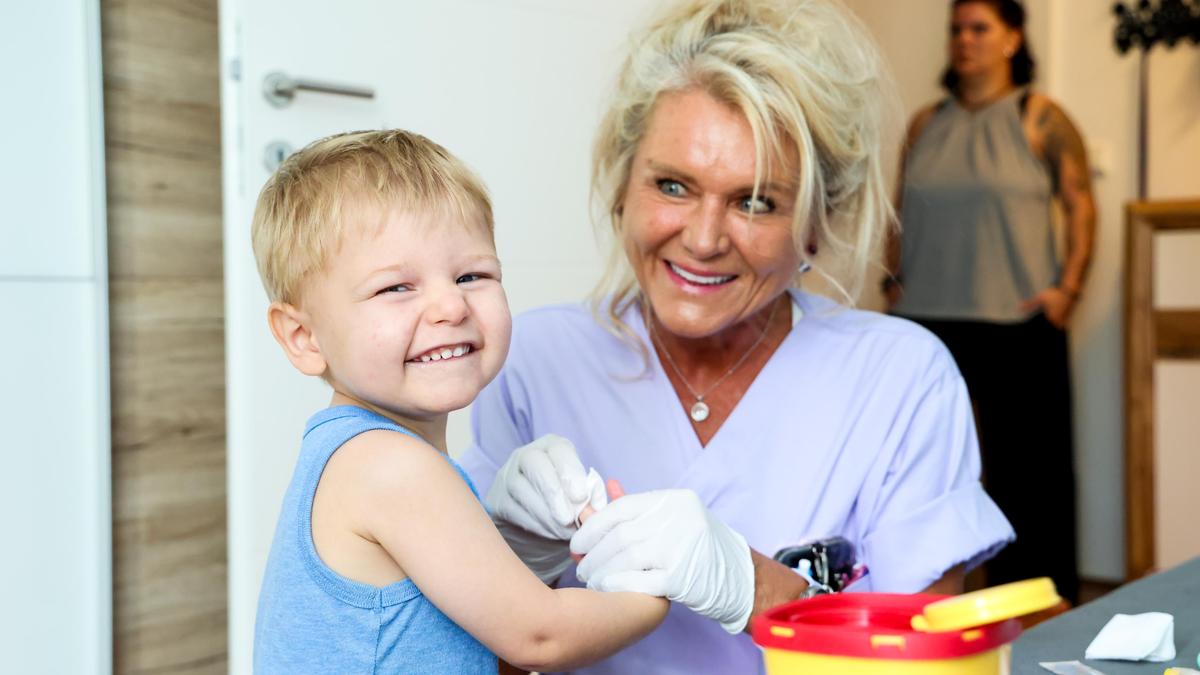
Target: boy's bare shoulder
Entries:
(388, 465)
(396, 490)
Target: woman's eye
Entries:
(757, 205)
(671, 188)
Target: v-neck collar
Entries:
(678, 412)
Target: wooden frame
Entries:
(1149, 334)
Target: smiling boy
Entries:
(377, 253)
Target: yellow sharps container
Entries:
(879, 633)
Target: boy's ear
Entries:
(291, 329)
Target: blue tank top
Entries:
(312, 620)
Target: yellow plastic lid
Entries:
(987, 606)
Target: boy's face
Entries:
(410, 317)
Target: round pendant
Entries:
(699, 411)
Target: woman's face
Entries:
(980, 41)
(704, 265)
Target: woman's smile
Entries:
(696, 281)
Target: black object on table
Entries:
(1065, 637)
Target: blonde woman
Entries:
(741, 414)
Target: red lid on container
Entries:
(872, 626)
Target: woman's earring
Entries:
(811, 250)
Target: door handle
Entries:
(279, 89)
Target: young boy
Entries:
(376, 251)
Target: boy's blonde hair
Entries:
(302, 211)
(805, 74)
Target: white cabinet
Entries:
(46, 229)
(54, 482)
(55, 510)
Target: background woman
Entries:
(741, 414)
(977, 265)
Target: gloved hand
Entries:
(666, 543)
(535, 499)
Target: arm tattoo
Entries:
(1065, 154)
(1065, 151)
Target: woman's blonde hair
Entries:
(303, 208)
(805, 74)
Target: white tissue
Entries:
(1135, 637)
(597, 495)
(1069, 668)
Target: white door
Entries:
(514, 87)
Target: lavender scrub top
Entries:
(859, 426)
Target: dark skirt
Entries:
(1019, 379)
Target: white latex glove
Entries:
(535, 499)
(666, 543)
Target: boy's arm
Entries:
(420, 510)
(509, 669)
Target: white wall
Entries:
(1098, 88)
(54, 488)
(1175, 125)
(1079, 68)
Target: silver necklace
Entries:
(699, 410)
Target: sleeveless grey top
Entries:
(977, 231)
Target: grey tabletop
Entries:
(1065, 637)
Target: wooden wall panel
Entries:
(1177, 334)
(162, 127)
(1139, 395)
(1149, 335)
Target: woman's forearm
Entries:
(1081, 229)
(774, 584)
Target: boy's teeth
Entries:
(698, 278)
(445, 353)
